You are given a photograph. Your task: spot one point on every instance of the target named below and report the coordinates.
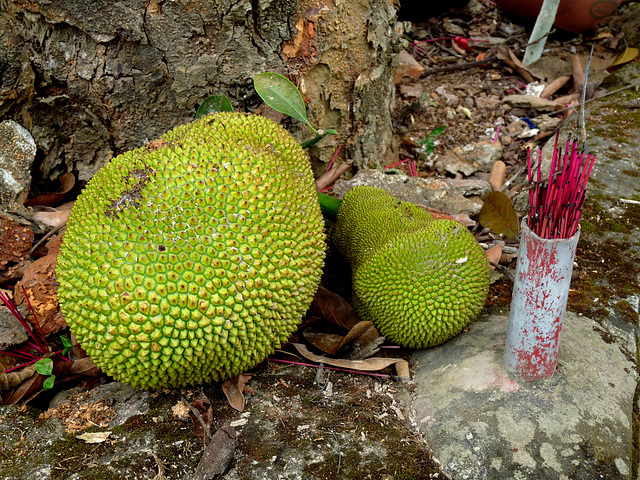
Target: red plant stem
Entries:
(24, 355)
(39, 344)
(42, 341)
(397, 163)
(333, 159)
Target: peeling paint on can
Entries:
(538, 304)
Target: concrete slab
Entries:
(484, 424)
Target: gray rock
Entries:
(126, 400)
(529, 101)
(472, 158)
(11, 331)
(17, 153)
(484, 424)
(428, 192)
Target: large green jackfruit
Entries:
(191, 259)
(420, 281)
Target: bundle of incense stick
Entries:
(555, 206)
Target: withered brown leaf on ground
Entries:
(505, 54)
(327, 342)
(234, 390)
(67, 182)
(498, 214)
(40, 283)
(218, 454)
(202, 425)
(334, 308)
(373, 364)
(53, 217)
(495, 253)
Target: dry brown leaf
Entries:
(505, 54)
(234, 390)
(374, 364)
(327, 342)
(67, 182)
(334, 308)
(497, 213)
(626, 56)
(495, 253)
(364, 332)
(201, 425)
(50, 216)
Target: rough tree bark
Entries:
(92, 78)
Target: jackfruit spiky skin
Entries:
(420, 281)
(424, 287)
(191, 259)
(368, 217)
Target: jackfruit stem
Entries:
(329, 205)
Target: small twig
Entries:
(161, 470)
(459, 66)
(612, 92)
(196, 413)
(332, 175)
(322, 366)
(49, 234)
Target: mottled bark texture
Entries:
(93, 78)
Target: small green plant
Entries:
(427, 143)
(35, 351)
(280, 94)
(44, 367)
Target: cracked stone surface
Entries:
(483, 424)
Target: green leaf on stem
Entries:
(282, 95)
(66, 344)
(48, 383)
(44, 366)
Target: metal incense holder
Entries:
(538, 304)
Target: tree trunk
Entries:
(93, 78)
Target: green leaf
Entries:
(429, 140)
(66, 344)
(214, 104)
(282, 95)
(499, 216)
(48, 383)
(44, 366)
(439, 130)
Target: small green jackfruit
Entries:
(419, 281)
(191, 259)
(368, 217)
